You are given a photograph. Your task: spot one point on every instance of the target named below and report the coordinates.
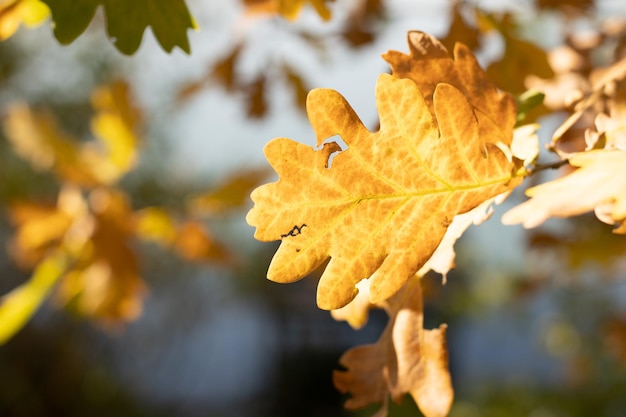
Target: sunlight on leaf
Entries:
(384, 206)
(36, 137)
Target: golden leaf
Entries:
(13, 13)
(36, 137)
(429, 64)
(105, 282)
(155, 224)
(384, 205)
(598, 184)
(195, 243)
(289, 9)
(406, 359)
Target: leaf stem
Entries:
(543, 167)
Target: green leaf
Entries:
(527, 101)
(126, 21)
(70, 17)
(18, 306)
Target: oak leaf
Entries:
(383, 206)
(429, 64)
(598, 184)
(524, 147)
(406, 359)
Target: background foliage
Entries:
(105, 219)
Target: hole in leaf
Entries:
(339, 142)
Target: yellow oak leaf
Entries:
(598, 184)
(524, 147)
(406, 359)
(381, 207)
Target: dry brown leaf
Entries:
(459, 30)
(603, 86)
(429, 64)
(384, 205)
(406, 359)
(598, 184)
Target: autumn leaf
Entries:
(37, 138)
(405, 359)
(231, 193)
(14, 13)
(383, 206)
(289, 9)
(17, 307)
(524, 147)
(598, 184)
(126, 21)
(105, 281)
(459, 30)
(602, 86)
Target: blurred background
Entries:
(536, 319)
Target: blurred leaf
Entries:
(459, 30)
(222, 72)
(298, 86)
(256, 101)
(154, 223)
(586, 243)
(360, 25)
(36, 137)
(126, 21)
(191, 240)
(566, 6)
(194, 243)
(116, 124)
(406, 359)
(598, 184)
(528, 101)
(13, 13)
(105, 283)
(289, 9)
(42, 228)
(168, 19)
(231, 193)
(521, 58)
(70, 18)
(18, 306)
